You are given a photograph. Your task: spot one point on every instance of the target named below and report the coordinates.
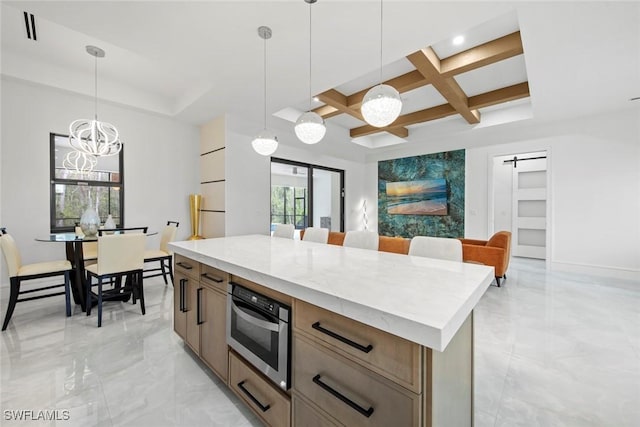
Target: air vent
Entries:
(30, 25)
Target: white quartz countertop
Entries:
(423, 300)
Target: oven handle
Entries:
(256, 322)
(262, 407)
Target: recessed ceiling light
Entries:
(458, 40)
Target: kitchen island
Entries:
(416, 315)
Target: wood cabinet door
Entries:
(179, 299)
(213, 335)
(194, 313)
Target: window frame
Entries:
(91, 183)
(311, 167)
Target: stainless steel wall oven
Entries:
(259, 329)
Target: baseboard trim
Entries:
(596, 270)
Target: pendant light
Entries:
(310, 127)
(79, 162)
(381, 105)
(94, 137)
(266, 142)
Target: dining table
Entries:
(73, 245)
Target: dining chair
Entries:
(18, 273)
(119, 255)
(284, 230)
(316, 234)
(436, 247)
(89, 248)
(162, 255)
(361, 239)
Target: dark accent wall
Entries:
(448, 165)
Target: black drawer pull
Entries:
(332, 334)
(183, 305)
(252, 397)
(213, 278)
(184, 265)
(199, 320)
(366, 412)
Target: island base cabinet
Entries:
(213, 338)
(304, 415)
(349, 392)
(269, 403)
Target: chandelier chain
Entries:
(95, 75)
(381, 29)
(310, 56)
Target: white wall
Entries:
(248, 176)
(594, 167)
(160, 166)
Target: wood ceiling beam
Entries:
(404, 83)
(338, 101)
(480, 56)
(499, 96)
(426, 115)
(428, 64)
(327, 111)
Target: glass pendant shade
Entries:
(310, 128)
(77, 161)
(381, 105)
(265, 143)
(94, 137)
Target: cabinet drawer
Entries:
(389, 355)
(214, 277)
(266, 400)
(303, 415)
(350, 393)
(187, 266)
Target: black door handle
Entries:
(347, 341)
(198, 307)
(213, 278)
(366, 412)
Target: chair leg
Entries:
(13, 299)
(164, 272)
(498, 281)
(141, 292)
(87, 300)
(67, 293)
(99, 302)
(170, 270)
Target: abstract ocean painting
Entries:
(423, 197)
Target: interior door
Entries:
(529, 208)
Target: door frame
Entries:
(502, 152)
(311, 167)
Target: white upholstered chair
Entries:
(361, 239)
(19, 273)
(284, 230)
(436, 247)
(89, 249)
(162, 255)
(119, 255)
(316, 234)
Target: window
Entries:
(72, 192)
(306, 195)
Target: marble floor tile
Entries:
(551, 349)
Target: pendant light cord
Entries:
(381, 28)
(95, 74)
(310, 97)
(265, 83)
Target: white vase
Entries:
(109, 223)
(89, 222)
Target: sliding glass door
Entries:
(306, 195)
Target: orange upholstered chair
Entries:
(495, 252)
(398, 245)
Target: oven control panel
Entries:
(256, 300)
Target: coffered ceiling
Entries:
(194, 61)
